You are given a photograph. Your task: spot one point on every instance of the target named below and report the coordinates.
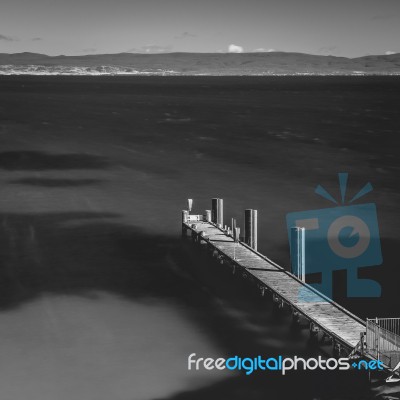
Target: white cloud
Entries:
(263, 50)
(233, 48)
(389, 53)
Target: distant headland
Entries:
(219, 64)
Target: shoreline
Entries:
(179, 74)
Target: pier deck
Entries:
(334, 320)
(373, 339)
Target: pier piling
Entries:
(217, 211)
(250, 228)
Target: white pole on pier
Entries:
(297, 252)
(190, 204)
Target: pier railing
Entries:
(383, 340)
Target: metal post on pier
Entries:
(250, 228)
(236, 235)
(185, 216)
(214, 210)
(220, 212)
(297, 252)
(378, 335)
(217, 211)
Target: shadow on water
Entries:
(52, 183)
(37, 160)
(80, 253)
(75, 252)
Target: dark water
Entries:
(100, 299)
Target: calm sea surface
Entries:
(99, 298)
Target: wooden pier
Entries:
(344, 330)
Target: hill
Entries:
(198, 64)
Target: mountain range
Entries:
(273, 63)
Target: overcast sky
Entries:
(339, 27)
